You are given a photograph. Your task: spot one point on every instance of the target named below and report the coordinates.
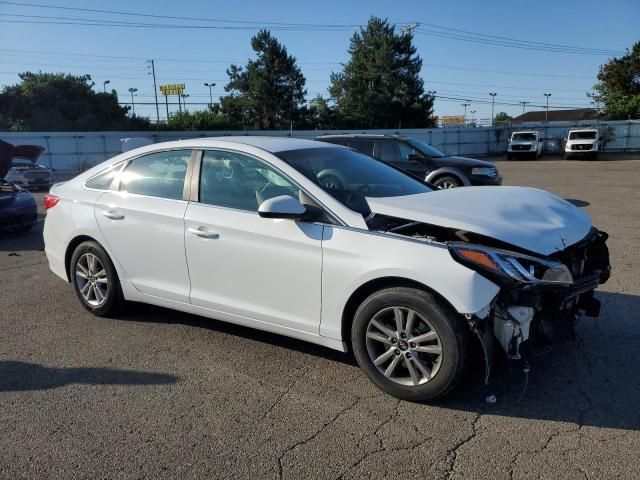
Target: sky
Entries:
(459, 67)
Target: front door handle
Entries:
(203, 232)
(113, 215)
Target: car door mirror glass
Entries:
(415, 157)
(283, 206)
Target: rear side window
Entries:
(104, 180)
(390, 151)
(159, 174)
(364, 146)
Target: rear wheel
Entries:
(95, 280)
(409, 344)
(447, 182)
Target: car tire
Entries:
(567, 156)
(509, 157)
(430, 315)
(446, 182)
(95, 280)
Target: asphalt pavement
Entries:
(161, 394)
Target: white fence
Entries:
(76, 151)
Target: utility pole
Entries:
(546, 115)
(184, 100)
(155, 89)
(133, 105)
(104, 85)
(524, 104)
(166, 104)
(465, 105)
(210, 85)
(493, 101)
(432, 93)
(410, 28)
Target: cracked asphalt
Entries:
(160, 394)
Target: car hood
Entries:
(528, 218)
(462, 162)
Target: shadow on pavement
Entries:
(23, 241)
(578, 203)
(20, 376)
(592, 381)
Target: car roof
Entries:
(362, 135)
(526, 131)
(592, 129)
(269, 144)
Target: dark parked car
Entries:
(18, 209)
(421, 160)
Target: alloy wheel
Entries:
(404, 346)
(91, 279)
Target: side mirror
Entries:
(415, 157)
(284, 206)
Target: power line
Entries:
(436, 30)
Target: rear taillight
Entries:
(50, 200)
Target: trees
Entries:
(502, 117)
(58, 101)
(268, 93)
(618, 88)
(380, 86)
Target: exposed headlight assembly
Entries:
(511, 265)
(488, 171)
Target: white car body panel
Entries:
(254, 267)
(351, 258)
(526, 217)
(148, 241)
(291, 277)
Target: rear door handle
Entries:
(113, 215)
(203, 232)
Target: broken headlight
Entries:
(514, 266)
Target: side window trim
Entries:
(113, 186)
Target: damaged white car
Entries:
(241, 230)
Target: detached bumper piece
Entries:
(525, 319)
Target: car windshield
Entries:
(346, 173)
(426, 149)
(22, 162)
(582, 135)
(524, 137)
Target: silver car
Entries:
(24, 170)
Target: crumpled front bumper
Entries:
(523, 318)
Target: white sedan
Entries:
(242, 230)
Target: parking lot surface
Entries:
(160, 394)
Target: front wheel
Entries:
(95, 280)
(409, 344)
(444, 183)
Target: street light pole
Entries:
(155, 89)
(210, 85)
(473, 116)
(546, 115)
(133, 105)
(493, 101)
(465, 105)
(104, 85)
(432, 94)
(524, 104)
(184, 100)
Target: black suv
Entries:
(421, 159)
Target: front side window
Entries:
(159, 174)
(390, 151)
(234, 180)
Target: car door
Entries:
(142, 222)
(244, 265)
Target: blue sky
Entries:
(454, 68)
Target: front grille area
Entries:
(580, 146)
(521, 147)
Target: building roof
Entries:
(557, 115)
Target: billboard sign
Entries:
(172, 89)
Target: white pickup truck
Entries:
(525, 143)
(582, 142)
